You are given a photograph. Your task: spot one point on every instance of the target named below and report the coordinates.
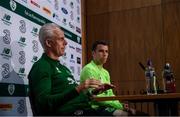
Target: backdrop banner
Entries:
(20, 21)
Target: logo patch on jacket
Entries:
(71, 81)
(58, 70)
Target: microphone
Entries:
(142, 66)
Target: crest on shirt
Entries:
(58, 70)
(71, 80)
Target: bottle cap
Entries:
(167, 66)
(149, 62)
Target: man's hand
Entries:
(89, 83)
(102, 88)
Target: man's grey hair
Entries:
(47, 32)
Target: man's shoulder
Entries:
(89, 66)
(105, 71)
(42, 63)
(41, 66)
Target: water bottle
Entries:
(150, 79)
(168, 79)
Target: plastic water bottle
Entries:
(168, 79)
(150, 79)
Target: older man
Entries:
(53, 90)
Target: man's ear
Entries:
(47, 42)
(93, 52)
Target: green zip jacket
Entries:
(52, 88)
(92, 70)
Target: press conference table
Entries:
(164, 104)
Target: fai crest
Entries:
(11, 89)
(12, 5)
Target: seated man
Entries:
(95, 70)
(53, 90)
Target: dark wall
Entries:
(137, 30)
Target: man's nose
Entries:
(105, 53)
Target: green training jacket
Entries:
(52, 88)
(92, 70)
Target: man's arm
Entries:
(89, 73)
(41, 86)
(86, 74)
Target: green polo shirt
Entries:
(53, 88)
(92, 70)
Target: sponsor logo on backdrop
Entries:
(71, 5)
(21, 72)
(64, 56)
(34, 31)
(56, 4)
(78, 19)
(24, 1)
(72, 56)
(6, 107)
(72, 47)
(33, 16)
(64, 2)
(35, 46)
(78, 10)
(78, 30)
(64, 10)
(71, 26)
(71, 15)
(72, 59)
(6, 38)
(11, 89)
(78, 39)
(22, 59)
(78, 50)
(55, 16)
(13, 5)
(6, 71)
(49, 1)
(6, 19)
(22, 26)
(34, 59)
(72, 69)
(22, 41)
(64, 63)
(35, 4)
(21, 106)
(46, 10)
(6, 53)
(78, 70)
(78, 60)
(64, 21)
(78, 1)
